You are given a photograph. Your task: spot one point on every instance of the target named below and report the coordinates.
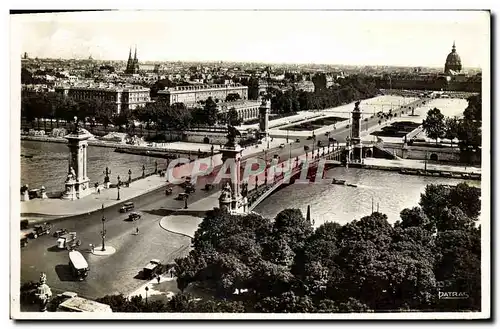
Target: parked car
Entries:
(152, 268)
(297, 140)
(127, 206)
(168, 191)
(133, 216)
(282, 145)
(189, 188)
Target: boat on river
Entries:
(338, 181)
(351, 185)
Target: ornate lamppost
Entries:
(107, 172)
(129, 176)
(147, 289)
(103, 232)
(118, 188)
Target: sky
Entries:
(396, 38)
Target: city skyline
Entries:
(367, 38)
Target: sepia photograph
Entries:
(250, 164)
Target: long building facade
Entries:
(192, 95)
(124, 98)
(247, 110)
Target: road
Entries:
(117, 273)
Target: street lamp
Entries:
(103, 232)
(118, 188)
(147, 289)
(287, 136)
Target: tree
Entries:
(414, 217)
(233, 117)
(231, 97)
(291, 226)
(438, 202)
(470, 129)
(210, 112)
(434, 125)
(452, 129)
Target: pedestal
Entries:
(25, 196)
(77, 184)
(76, 190)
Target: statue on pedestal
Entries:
(231, 136)
(106, 177)
(225, 198)
(71, 175)
(43, 193)
(43, 292)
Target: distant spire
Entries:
(453, 48)
(135, 53)
(308, 216)
(129, 53)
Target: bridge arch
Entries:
(206, 140)
(433, 157)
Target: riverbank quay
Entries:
(420, 168)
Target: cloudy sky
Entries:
(418, 38)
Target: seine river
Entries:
(48, 165)
(336, 203)
(392, 191)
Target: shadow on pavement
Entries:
(55, 248)
(64, 273)
(160, 212)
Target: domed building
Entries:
(453, 62)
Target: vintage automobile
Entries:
(282, 145)
(208, 187)
(133, 216)
(60, 232)
(127, 206)
(78, 264)
(168, 191)
(297, 140)
(152, 268)
(24, 240)
(189, 188)
(182, 196)
(39, 230)
(68, 241)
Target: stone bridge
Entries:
(305, 168)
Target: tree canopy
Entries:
(285, 265)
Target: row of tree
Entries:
(466, 129)
(285, 265)
(159, 114)
(348, 90)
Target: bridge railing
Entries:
(276, 180)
